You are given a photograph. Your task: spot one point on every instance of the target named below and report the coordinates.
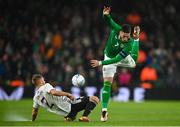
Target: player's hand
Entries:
(136, 32)
(106, 10)
(70, 96)
(95, 63)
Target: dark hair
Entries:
(35, 77)
(126, 28)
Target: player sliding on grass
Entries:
(59, 102)
(121, 50)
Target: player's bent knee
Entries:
(109, 79)
(94, 99)
(133, 66)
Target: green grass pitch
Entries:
(148, 113)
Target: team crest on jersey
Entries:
(117, 44)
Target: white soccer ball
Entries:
(78, 80)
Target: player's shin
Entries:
(89, 107)
(106, 93)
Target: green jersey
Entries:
(115, 48)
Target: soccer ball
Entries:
(78, 80)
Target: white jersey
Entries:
(57, 104)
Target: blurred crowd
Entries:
(59, 38)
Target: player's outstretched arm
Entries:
(135, 44)
(34, 113)
(96, 63)
(109, 20)
(61, 93)
(122, 54)
(136, 32)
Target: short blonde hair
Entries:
(35, 77)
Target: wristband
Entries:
(136, 39)
(100, 63)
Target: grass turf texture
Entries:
(149, 113)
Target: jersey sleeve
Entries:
(135, 49)
(112, 60)
(121, 55)
(48, 87)
(111, 23)
(35, 105)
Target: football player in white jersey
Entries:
(59, 102)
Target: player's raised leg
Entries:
(127, 62)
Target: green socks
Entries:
(106, 93)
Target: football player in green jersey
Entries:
(121, 50)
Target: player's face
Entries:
(124, 36)
(42, 81)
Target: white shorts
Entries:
(110, 70)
